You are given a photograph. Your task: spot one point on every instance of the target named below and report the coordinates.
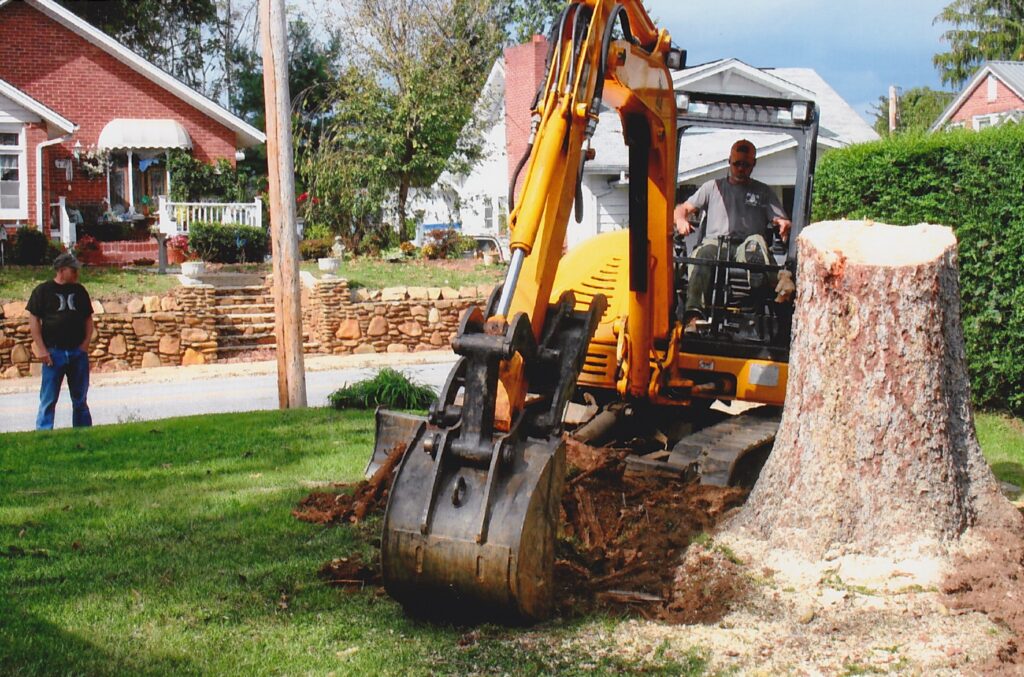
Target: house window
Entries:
(13, 187)
(993, 91)
(488, 213)
(985, 121)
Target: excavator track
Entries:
(713, 454)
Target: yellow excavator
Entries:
(473, 511)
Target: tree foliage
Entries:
(397, 114)
(918, 109)
(981, 30)
(968, 180)
(522, 19)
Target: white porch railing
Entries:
(175, 217)
(60, 222)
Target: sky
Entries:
(860, 47)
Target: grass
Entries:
(377, 274)
(1002, 439)
(17, 282)
(168, 547)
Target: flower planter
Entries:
(193, 268)
(175, 255)
(329, 265)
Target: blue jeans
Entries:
(74, 364)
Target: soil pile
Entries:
(622, 539)
(992, 581)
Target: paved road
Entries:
(145, 395)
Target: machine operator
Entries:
(740, 209)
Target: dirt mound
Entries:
(622, 540)
(992, 581)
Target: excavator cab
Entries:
(744, 319)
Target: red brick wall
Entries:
(977, 103)
(89, 87)
(524, 71)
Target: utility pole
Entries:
(291, 374)
(894, 109)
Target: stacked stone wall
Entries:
(152, 331)
(394, 320)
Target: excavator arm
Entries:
(473, 511)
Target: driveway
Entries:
(164, 392)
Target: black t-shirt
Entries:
(62, 309)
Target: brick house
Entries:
(71, 95)
(993, 96)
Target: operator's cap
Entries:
(743, 150)
(66, 260)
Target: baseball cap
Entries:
(744, 150)
(66, 260)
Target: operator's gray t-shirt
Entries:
(748, 207)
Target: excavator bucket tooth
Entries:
(470, 543)
(392, 428)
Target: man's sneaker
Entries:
(691, 324)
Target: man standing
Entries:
(61, 324)
(740, 209)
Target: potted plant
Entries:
(177, 249)
(87, 249)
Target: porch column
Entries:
(167, 170)
(131, 181)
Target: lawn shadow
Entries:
(32, 645)
(1009, 471)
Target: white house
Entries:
(481, 196)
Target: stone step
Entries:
(243, 300)
(222, 350)
(245, 308)
(246, 329)
(244, 318)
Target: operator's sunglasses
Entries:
(742, 164)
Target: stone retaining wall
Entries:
(180, 328)
(394, 320)
(153, 331)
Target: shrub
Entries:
(446, 243)
(389, 388)
(31, 247)
(110, 231)
(227, 242)
(319, 248)
(143, 262)
(971, 181)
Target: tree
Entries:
(982, 30)
(876, 451)
(179, 36)
(918, 109)
(522, 19)
(401, 113)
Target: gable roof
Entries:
(1010, 73)
(52, 118)
(245, 134)
(707, 151)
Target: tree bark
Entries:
(876, 451)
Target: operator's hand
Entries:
(683, 225)
(784, 226)
(786, 288)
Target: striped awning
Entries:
(124, 133)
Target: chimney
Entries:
(524, 71)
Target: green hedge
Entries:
(227, 242)
(973, 182)
(31, 247)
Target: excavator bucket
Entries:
(469, 531)
(393, 428)
(468, 542)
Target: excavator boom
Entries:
(474, 507)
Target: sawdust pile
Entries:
(624, 542)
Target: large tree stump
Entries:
(877, 449)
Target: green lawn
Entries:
(377, 274)
(1002, 439)
(17, 282)
(168, 547)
